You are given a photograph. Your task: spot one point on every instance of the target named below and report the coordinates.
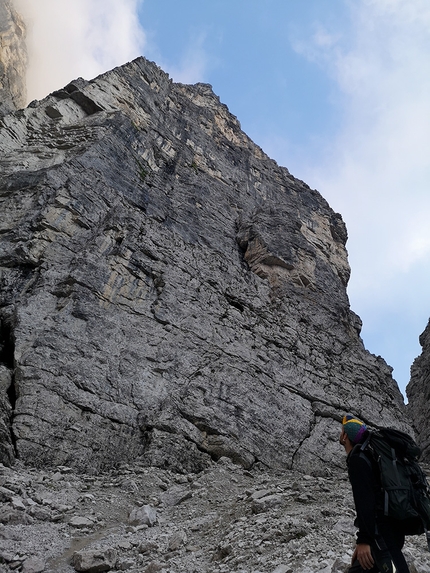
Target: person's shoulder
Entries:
(356, 451)
(359, 457)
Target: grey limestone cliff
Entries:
(418, 392)
(13, 59)
(168, 292)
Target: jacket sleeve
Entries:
(362, 480)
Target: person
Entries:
(380, 539)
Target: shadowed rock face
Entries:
(13, 59)
(418, 392)
(170, 293)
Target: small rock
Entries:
(179, 538)
(6, 557)
(17, 503)
(81, 522)
(145, 515)
(265, 503)
(175, 495)
(124, 544)
(124, 564)
(64, 469)
(33, 565)
(40, 513)
(304, 498)
(345, 525)
(62, 507)
(148, 547)
(260, 493)
(153, 567)
(341, 565)
(14, 517)
(94, 561)
(6, 494)
(222, 551)
(129, 485)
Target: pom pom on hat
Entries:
(353, 428)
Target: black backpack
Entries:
(404, 487)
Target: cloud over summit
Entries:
(80, 38)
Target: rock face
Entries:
(169, 293)
(418, 393)
(13, 59)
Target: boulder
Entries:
(94, 560)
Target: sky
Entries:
(337, 91)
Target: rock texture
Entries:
(169, 293)
(418, 393)
(13, 59)
(224, 519)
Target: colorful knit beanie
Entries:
(353, 428)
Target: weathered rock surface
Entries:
(215, 529)
(13, 59)
(168, 292)
(418, 393)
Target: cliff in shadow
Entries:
(418, 392)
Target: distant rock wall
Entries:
(168, 292)
(418, 393)
(13, 59)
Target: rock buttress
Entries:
(172, 293)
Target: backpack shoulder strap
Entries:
(367, 440)
(364, 452)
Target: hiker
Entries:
(380, 539)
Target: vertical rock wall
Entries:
(418, 393)
(168, 291)
(13, 59)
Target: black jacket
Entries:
(385, 535)
(366, 490)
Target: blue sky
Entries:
(337, 91)
(245, 49)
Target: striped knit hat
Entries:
(353, 428)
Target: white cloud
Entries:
(80, 38)
(376, 171)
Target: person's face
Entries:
(342, 437)
(345, 441)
